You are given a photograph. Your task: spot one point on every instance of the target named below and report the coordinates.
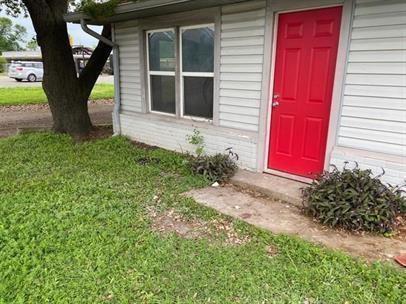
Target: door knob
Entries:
(275, 104)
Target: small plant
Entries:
(216, 168)
(197, 140)
(355, 200)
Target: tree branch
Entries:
(96, 63)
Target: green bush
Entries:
(99, 10)
(216, 168)
(355, 200)
(3, 63)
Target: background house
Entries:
(293, 86)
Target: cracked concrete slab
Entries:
(282, 218)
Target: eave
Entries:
(149, 8)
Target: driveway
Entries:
(6, 82)
(15, 118)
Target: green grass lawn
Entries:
(35, 95)
(75, 228)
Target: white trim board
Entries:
(273, 12)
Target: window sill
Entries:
(187, 120)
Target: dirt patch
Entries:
(272, 250)
(217, 230)
(144, 161)
(45, 106)
(98, 132)
(282, 218)
(17, 119)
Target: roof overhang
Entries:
(149, 8)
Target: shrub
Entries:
(353, 199)
(216, 168)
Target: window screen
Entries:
(197, 45)
(161, 70)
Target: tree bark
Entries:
(67, 94)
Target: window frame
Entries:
(160, 73)
(178, 73)
(194, 74)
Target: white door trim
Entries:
(339, 79)
(268, 82)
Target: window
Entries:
(161, 71)
(196, 70)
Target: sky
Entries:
(79, 37)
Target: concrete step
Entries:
(272, 186)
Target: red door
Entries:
(306, 55)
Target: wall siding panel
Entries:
(373, 117)
(171, 135)
(241, 64)
(127, 37)
(375, 86)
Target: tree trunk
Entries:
(67, 94)
(66, 98)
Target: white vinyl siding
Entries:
(394, 166)
(169, 133)
(373, 114)
(241, 64)
(127, 37)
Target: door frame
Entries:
(271, 33)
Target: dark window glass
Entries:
(163, 94)
(198, 50)
(198, 97)
(162, 51)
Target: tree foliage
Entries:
(11, 35)
(98, 10)
(32, 45)
(3, 63)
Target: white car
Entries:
(26, 70)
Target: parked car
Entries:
(26, 70)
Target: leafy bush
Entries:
(216, 168)
(3, 63)
(355, 200)
(98, 10)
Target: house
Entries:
(292, 86)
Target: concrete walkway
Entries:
(15, 118)
(282, 218)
